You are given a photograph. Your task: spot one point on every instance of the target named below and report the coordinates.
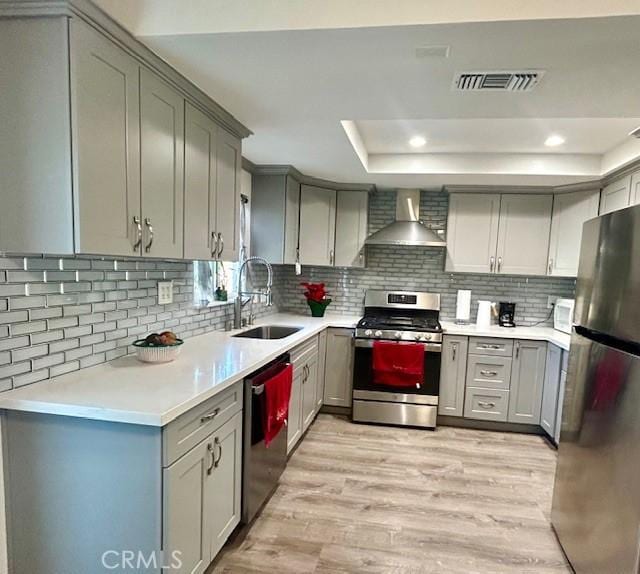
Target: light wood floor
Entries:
(370, 499)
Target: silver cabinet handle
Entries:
(147, 222)
(214, 245)
(486, 405)
(331, 257)
(499, 264)
(517, 349)
(488, 346)
(221, 244)
(210, 416)
(550, 266)
(453, 352)
(492, 263)
(361, 257)
(136, 222)
(211, 453)
(216, 461)
(488, 373)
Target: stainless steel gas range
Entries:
(401, 317)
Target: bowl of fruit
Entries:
(158, 348)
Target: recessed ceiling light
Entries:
(553, 141)
(417, 141)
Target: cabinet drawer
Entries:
(190, 428)
(486, 404)
(301, 354)
(489, 372)
(490, 346)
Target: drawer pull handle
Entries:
(212, 454)
(486, 405)
(488, 346)
(210, 416)
(488, 373)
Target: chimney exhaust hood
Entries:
(407, 228)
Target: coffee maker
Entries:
(507, 314)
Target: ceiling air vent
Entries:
(502, 81)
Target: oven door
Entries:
(364, 388)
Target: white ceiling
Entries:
(294, 87)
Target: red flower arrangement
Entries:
(317, 299)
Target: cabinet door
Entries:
(523, 236)
(317, 225)
(106, 144)
(452, 375)
(162, 166)
(527, 381)
(472, 232)
(635, 188)
(570, 211)
(352, 216)
(322, 355)
(550, 392)
(186, 527)
(199, 185)
(294, 422)
(229, 167)
(338, 377)
(562, 387)
(616, 195)
(224, 486)
(309, 388)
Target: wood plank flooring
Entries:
(368, 499)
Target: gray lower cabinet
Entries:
(338, 379)
(452, 375)
(562, 387)
(322, 357)
(303, 401)
(527, 381)
(550, 393)
(309, 389)
(294, 421)
(486, 404)
(202, 495)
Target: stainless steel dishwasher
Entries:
(262, 466)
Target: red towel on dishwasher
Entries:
(398, 364)
(277, 391)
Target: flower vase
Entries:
(318, 307)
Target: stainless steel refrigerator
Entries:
(596, 498)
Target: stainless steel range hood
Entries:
(407, 228)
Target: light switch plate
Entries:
(165, 292)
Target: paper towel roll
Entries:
(463, 305)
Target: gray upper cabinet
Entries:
(616, 195)
(527, 381)
(162, 166)
(317, 225)
(635, 189)
(548, 413)
(472, 232)
(106, 127)
(338, 381)
(275, 208)
(228, 171)
(523, 236)
(200, 237)
(352, 218)
(35, 146)
(570, 211)
(452, 375)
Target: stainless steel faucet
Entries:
(239, 303)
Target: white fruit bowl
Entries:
(157, 353)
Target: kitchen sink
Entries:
(268, 332)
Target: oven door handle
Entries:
(428, 347)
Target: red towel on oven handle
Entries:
(398, 364)
(277, 391)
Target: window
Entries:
(214, 281)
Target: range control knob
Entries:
(398, 334)
(418, 337)
(368, 333)
(427, 337)
(378, 334)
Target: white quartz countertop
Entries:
(127, 391)
(548, 334)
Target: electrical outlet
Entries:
(551, 301)
(165, 292)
